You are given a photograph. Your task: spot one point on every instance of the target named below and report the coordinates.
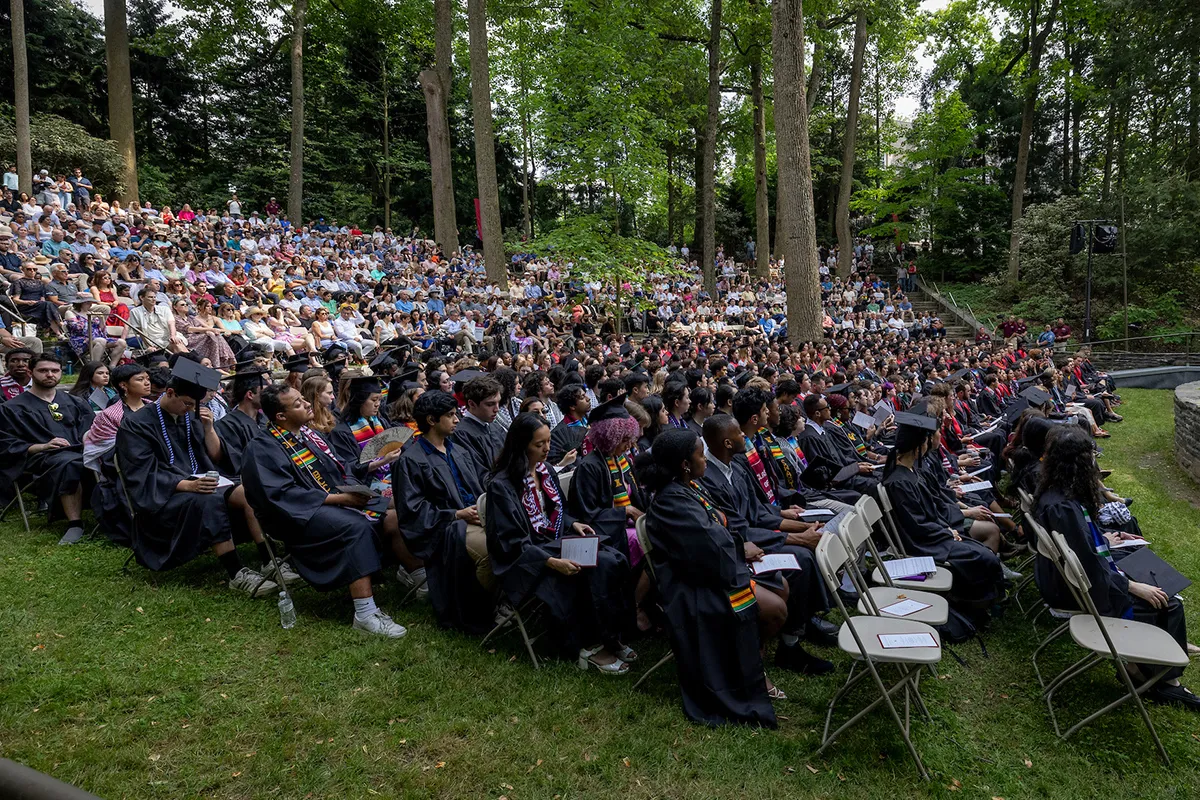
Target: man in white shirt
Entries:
(348, 334)
(154, 323)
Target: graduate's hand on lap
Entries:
(864, 468)
(955, 535)
(1153, 595)
(197, 485)
(352, 499)
(753, 552)
(633, 513)
(582, 529)
(56, 443)
(470, 514)
(792, 513)
(562, 566)
(809, 538)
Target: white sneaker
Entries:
(380, 624)
(247, 580)
(290, 575)
(1010, 574)
(415, 578)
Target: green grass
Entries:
(167, 686)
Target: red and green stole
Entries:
(618, 468)
(365, 428)
(759, 470)
(859, 446)
(739, 599)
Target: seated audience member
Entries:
(773, 531)
(717, 615)
(477, 432)
(434, 489)
(16, 377)
(921, 517)
(1068, 501)
(587, 606)
(167, 453)
(567, 436)
(41, 438)
(295, 484)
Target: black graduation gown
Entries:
(26, 420)
(590, 608)
(482, 442)
(426, 500)
(925, 531)
(343, 444)
(989, 403)
(172, 527)
(758, 522)
(331, 546)
(236, 431)
(1109, 590)
(591, 500)
(563, 439)
(699, 566)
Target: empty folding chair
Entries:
(865, 639)
(875, 600)
(1117, 640)
(940, 581)
(644, 541)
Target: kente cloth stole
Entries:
(617, 469)
(759, 470)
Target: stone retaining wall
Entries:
(1187, 428)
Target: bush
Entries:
(60, 146)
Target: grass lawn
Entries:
(168, 686)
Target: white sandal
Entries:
(626, 654)
(586, 655)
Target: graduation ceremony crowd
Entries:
(402, 426)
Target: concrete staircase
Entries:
(925, 304)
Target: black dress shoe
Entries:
(821, 632)
(797, 659)
(43, 506)
(1176, 695)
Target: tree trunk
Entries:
(1109, 136)
(813, 90)
(1193, 154)
(670, 148)
(21, 98)
(435, 85)
(526, 215)
(296, 165)
(846, 183)
(708, 249)
(120, 94)
(387, 153)
(700, 180)
(485, 145)
(1037, 41)
(795, 225)
(762, 209)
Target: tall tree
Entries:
(846, 183)
(708, 236)
(485, 145)
(435, 84)
(795, 224)
(296, 163)
(120, 92)
(1036, 38)
(762, 208)
(21, 97)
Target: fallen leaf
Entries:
(789, 770)
(440, 764)
(237, 774)
(997, 797)
(812, 769)
(139, 610)
(39, 647)
(1003, 697)
(155, 756)
(1028, 763)
(625, 762)
(224, 696)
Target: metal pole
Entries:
(1087, 305)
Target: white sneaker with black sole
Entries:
(290, 575)
(415, 578)
(247, 581)
(380, 624)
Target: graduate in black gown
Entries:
(568, 435)
(921, 517)
(731, 485)
(717, 617)
(41, 436)
(164, 453)
(243, 423)
(589, 608)
(435, 488)
(357, 423)
(1068, 501)
(478, 433)
(333, 537)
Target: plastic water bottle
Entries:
(287, 611)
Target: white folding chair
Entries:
(875, 600)
(564, 480)
(940, 581)
(509, 615)
(1117, 640)
(860, 637)
(1048, 550)
(644, 541)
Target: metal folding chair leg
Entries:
(514, 615)
(525, 638)
(1057, 632)
(670, 655)
(412, 592)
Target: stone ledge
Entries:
(1187, 428)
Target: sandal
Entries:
(626, 654)
(1101, 434)
(587, 658)
(775, 693)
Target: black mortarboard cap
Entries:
(920, 407)
(1023, 382)
(609, 409)
(297, 363)
(399, 385)
(247, 374)
(907, 419)
(1036, 396)
(365, 383)
(626, 348)
(333, 353)
(382, 360)
(243, 364)
(841, 388)
(960, 374)
(187, 370)
(464, 375)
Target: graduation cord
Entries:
(162, 426)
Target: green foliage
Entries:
(1164, 315)
(60, 145)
